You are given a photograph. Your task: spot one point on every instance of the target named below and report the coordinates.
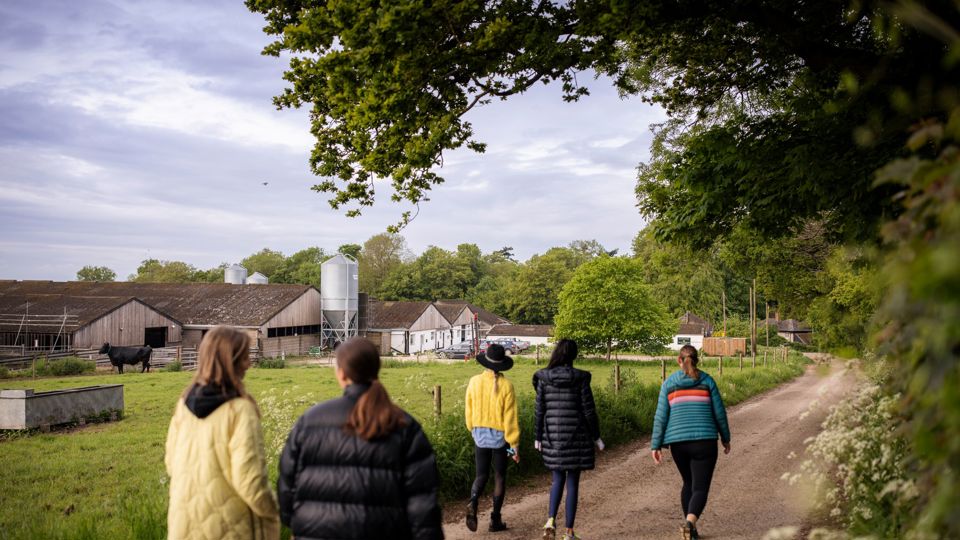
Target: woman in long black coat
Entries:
(567, 430)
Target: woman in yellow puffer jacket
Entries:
(491, 415)
(214, 454)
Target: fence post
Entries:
(437, 403)
(720, 366)
(34, 368)
(616, 377)
(663, 370)
(764, 358)
(538, 354)
(741, 361)
(754, 361)
(180, 354)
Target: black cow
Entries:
(128, 355)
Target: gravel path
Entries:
(628, 496)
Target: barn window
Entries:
(283, 331)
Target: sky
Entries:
(145, 129)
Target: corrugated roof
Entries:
(522, 330)
(46, 313)
(189, 303)
(485, 316)
(394, 315)
(792, 325)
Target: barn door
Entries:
(155, 337)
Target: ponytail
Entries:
(374, 416)
(688, 355)
(496, 377)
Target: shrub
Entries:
(272, 363)
(856, 465)
(4, 373)
(64, 366)
(176, 365)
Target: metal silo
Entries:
(339, 281)
(257, 279)
(235, 274)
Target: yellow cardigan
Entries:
(218, 476)
(484, 408)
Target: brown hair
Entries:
(221, 352)
(374, 416)
(688, 355)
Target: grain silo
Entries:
(235, 274)
(339, 282)
(257, 279)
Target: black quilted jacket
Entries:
(565, 418)
(334, 485)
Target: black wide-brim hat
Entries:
(495, 358)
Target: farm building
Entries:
(794, 331)
(278, 318)
(61, 322)
(536, 334)
(691, 331)
(413, 327)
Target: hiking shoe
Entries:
(688, 531)
(497, 524)
(472, 517)
(570, 536)
(549, 530)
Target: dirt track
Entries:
(628, 496)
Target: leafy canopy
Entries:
(96, 273)
(606, 304)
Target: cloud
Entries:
(135, 130)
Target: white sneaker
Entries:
(549, 530)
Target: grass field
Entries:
(108, 480)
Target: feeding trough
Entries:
(26, 409)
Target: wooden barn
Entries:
(278, 318)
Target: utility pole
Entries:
(766, 322)
(753, 319)
(724, 296)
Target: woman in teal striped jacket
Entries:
(690, 416)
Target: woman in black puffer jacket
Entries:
(358, 466)
(566, 430)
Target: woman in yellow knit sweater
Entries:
(491, 414)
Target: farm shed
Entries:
(536, 334)
(278, 318)
(412, 326)
(61, 322)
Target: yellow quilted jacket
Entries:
(484, 408)
(218, 476)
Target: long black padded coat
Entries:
(565, 418)
(335, 485)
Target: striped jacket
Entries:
(689, 410)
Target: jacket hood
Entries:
(562, 376)
(679, 379)
(203, 400)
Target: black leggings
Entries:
(696, 461)
(499, 459)
(572, 480)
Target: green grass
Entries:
(108, 480)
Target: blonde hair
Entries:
(222, 350)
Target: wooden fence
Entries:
(713, 346)
(159, 358)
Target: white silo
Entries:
(339, 283)
(257, 279)
(235, 274)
